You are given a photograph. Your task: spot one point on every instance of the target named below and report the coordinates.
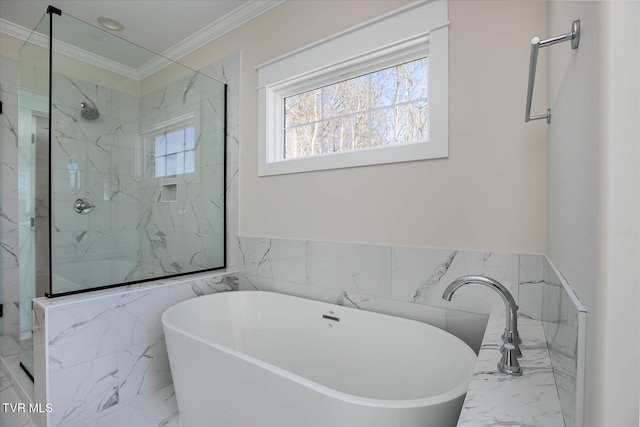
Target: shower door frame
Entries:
(51, 294)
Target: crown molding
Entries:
(14, 30)
(216, 29)
(220, 27)
(66, 49)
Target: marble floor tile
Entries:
(8, 397)
(10, 368)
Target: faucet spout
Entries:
(511, 325)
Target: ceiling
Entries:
(171, 28)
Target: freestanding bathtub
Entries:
(257, 359)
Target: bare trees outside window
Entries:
(386, 107)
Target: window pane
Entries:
(359, 129)
(349, 96)
(172, 164)
(384, 87)
(180, 163)
(403, 131)
(382, 126)
(189, 138)
(302, 108)
(302, 141)
(417, 83)
(384, 107)
(159, 166)
(419, 121)
(160, 145)
(189, 161)
(175, 141)
(332, 136)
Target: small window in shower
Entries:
(174, 152)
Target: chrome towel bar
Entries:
(536, 43)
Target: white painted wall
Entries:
(594, 192)
(490, 194)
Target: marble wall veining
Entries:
(403, 281)
(94, 160)
(98, 351)
(108, 348)
(9, 292)
(109, 162)
(182, 234)
(90, 367)
(565, 322)
(409, 282)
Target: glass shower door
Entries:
(33, 178)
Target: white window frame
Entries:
(409, 33)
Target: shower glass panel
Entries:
(121, 168)
(33, 180)
(137, 163)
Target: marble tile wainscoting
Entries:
(402, 281)
(564, 319)
(409, 282)
(112, 344)
(97, 351)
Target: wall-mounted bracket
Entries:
(536, 43)
(52, 9)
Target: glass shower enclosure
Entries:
(121, 174)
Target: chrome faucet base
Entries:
(516, 371)
(508, 363)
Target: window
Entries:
(384, 107)
(170, 147)
(374, 94)
(174, 152)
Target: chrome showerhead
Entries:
(88, 113)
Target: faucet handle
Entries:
(513, 338)
(508, 364)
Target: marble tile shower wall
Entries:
(94, 160)
(179, 235)
(109, 162)
(9, 292)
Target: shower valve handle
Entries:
(82, 206)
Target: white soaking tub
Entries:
(257, 359)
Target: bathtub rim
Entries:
(437, 399)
